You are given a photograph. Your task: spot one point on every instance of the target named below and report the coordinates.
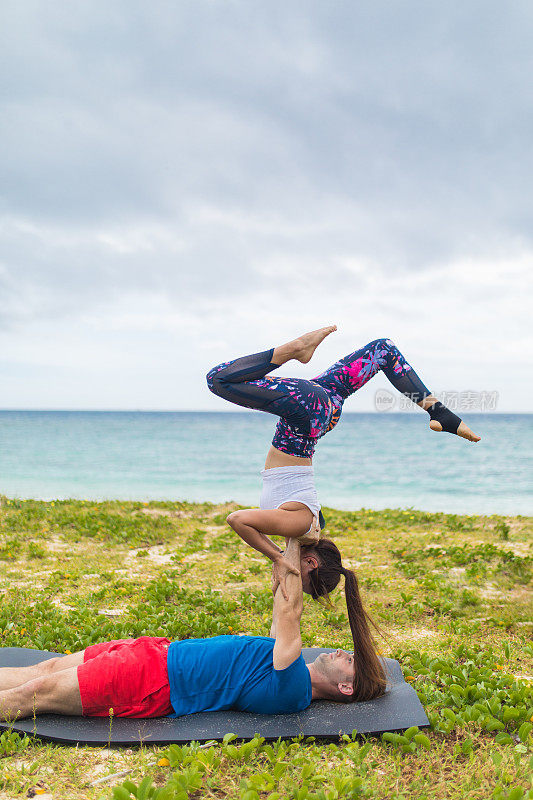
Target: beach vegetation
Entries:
(451, 592)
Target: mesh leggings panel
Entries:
(243, 382)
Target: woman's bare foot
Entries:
(303, 347)
(309, 342)
(463, 430)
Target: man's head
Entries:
(332, 676)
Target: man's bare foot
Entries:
(303, 347)
(463, 430)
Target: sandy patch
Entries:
(56, 544)
(413, 633)
(516, 548)
(162, 512)
(354, 564)
(423, 633)
(63, 606)
(22, 584)
(519, 548)
(158, 554)
(518, 526)
(195, 557)
(489, 591)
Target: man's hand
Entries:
(280, 569)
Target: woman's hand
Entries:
(280, 569)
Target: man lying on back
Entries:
(153, 677)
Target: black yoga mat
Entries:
(397, 710)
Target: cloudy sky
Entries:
(186, 181)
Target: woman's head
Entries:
(321, 570)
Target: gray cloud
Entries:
(397, 108)
(215, 155)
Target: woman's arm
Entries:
(253, 524)
(250, 524)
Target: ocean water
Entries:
(374, 460)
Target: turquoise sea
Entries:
(375, 460)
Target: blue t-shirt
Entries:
(234, 672)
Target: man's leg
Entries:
(55, 693)
(16, 676)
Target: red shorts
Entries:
(128, 675)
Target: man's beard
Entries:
(322, 663)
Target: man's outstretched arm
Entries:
(287, 613)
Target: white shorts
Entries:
(289, 485)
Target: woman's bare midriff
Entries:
(276, 458)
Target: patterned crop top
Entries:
(290, 440)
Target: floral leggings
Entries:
(308, 409)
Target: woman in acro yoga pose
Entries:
(289, 505)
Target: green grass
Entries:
(452, 592)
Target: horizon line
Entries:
(228, 411)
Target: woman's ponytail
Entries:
(369, 680)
